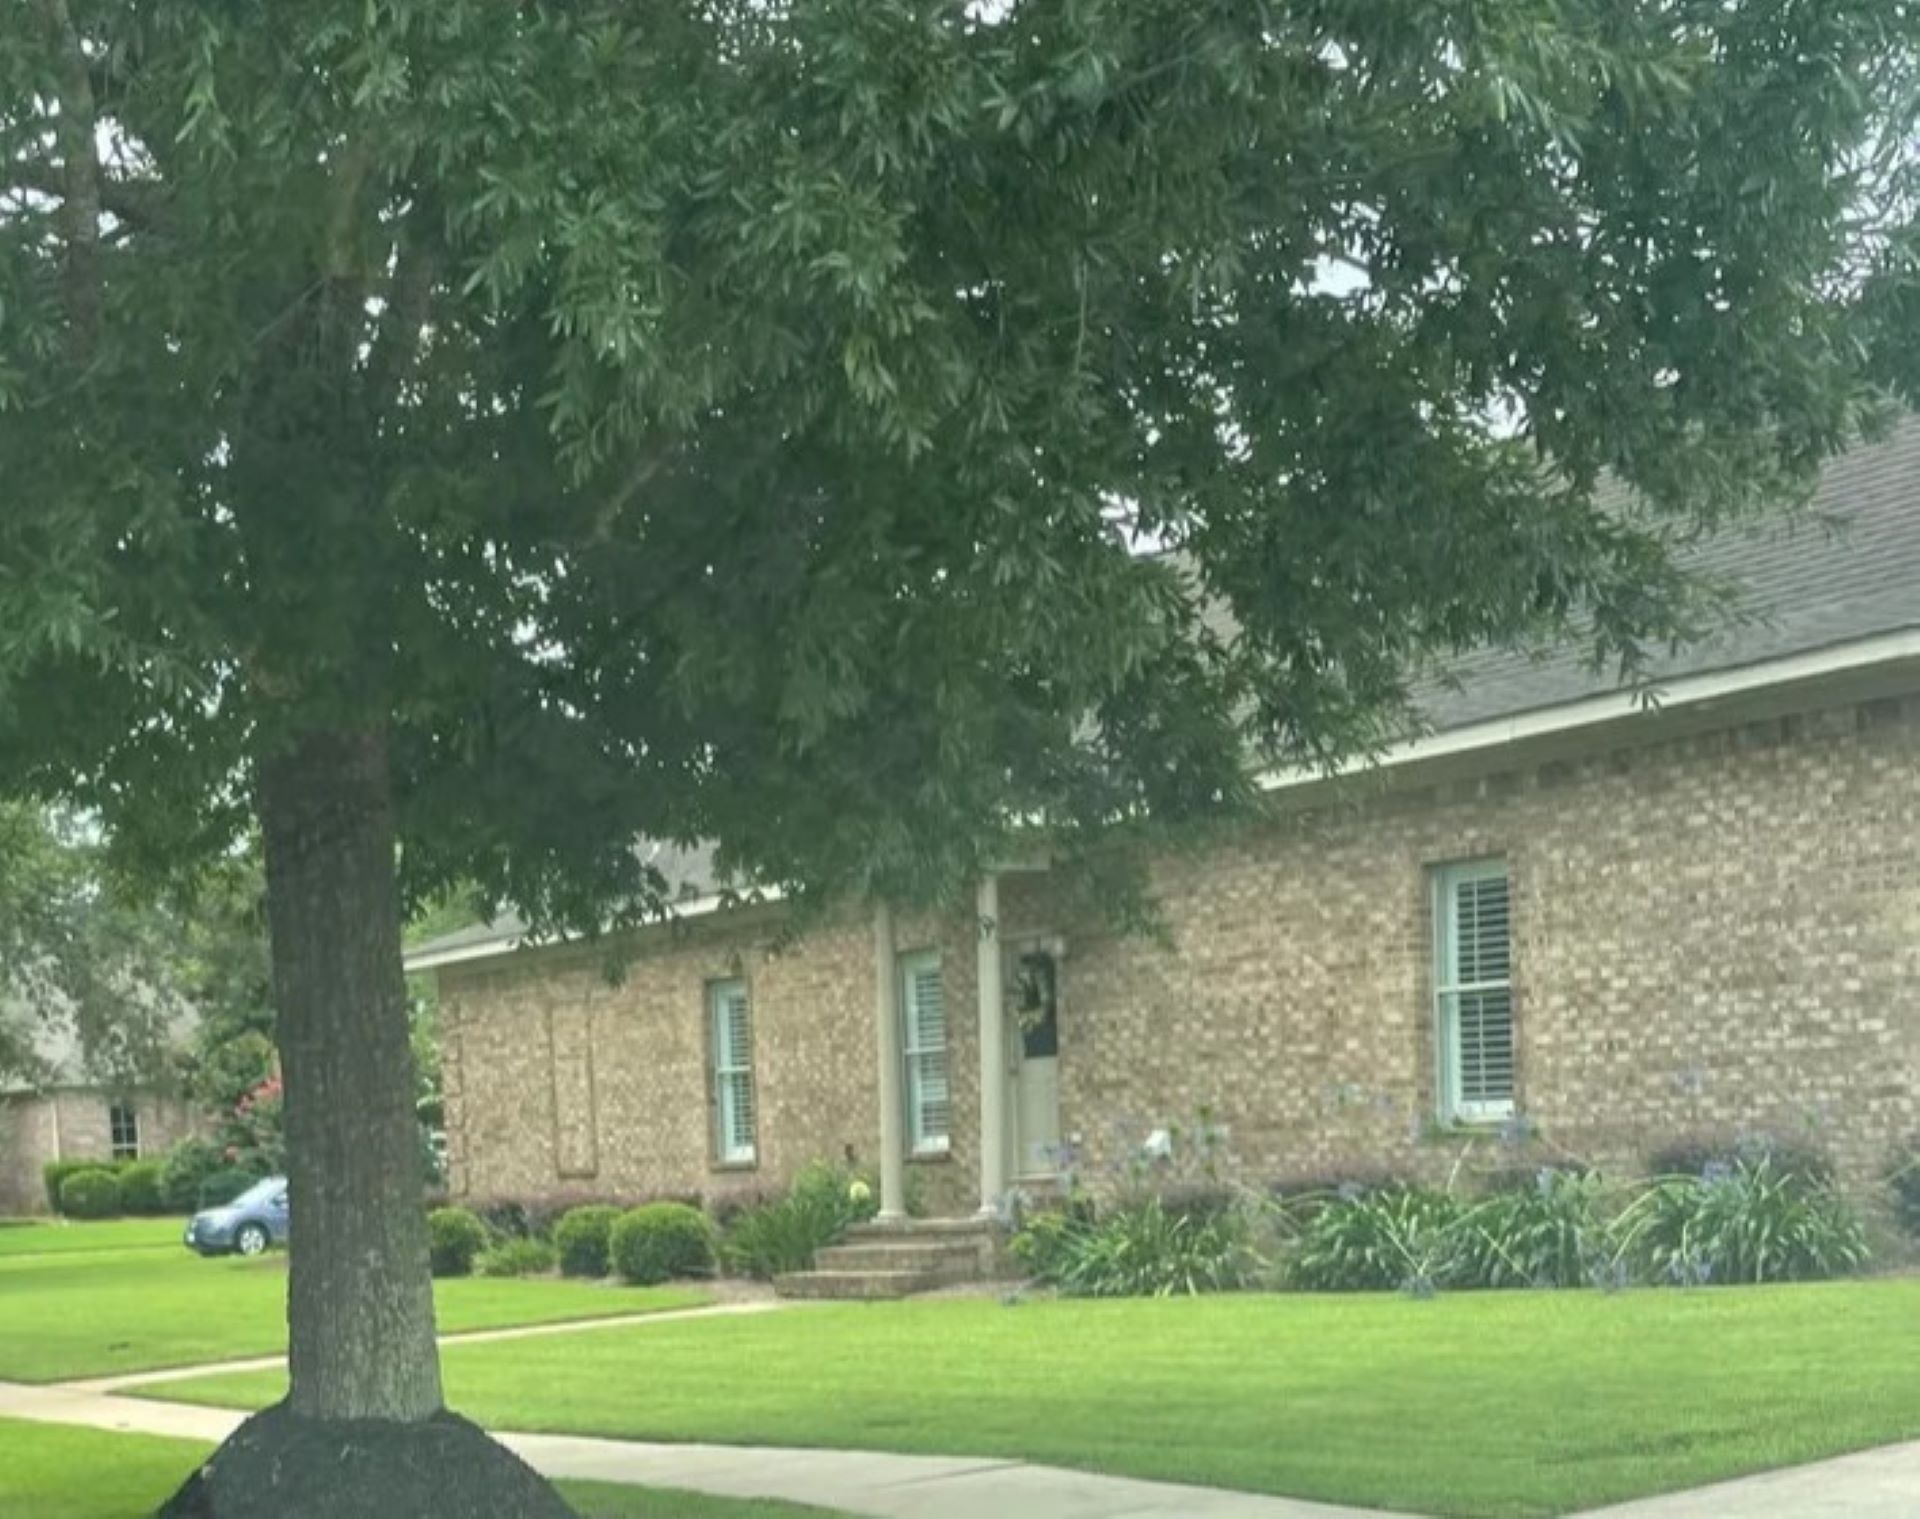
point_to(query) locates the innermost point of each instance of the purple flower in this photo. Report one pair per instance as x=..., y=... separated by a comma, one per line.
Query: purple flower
x=1608, y=1275
x=1350, y=1191
x=1689, y=1270
x=1716, y=1173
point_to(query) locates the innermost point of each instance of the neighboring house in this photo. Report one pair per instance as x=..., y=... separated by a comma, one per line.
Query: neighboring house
x=1564, y=918
x=68, y=1115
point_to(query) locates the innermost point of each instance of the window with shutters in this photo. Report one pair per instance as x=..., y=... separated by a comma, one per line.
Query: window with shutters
x=123, y=1126
x=731, y=1041
x=923, y=1008
x=1473, y=990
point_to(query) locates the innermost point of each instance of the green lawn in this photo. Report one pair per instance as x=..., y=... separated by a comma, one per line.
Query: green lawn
x=85, y=1312
x=91, y=1474
x=33, y=1236
x=1491, y=1403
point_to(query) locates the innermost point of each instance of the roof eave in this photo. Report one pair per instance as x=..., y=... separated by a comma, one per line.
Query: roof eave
x=1855, y=657
x=1852, y=658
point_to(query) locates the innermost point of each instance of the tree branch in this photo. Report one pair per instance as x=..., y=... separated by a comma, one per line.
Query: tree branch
x=135, y=203
x=79, y=210
x=409, y=296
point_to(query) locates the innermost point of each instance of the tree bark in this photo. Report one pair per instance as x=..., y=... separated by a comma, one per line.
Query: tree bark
x=360, y=1301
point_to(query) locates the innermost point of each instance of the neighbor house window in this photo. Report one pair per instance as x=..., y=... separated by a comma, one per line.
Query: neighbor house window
x=123, y=1127
x=923, y=1008
x=1473, y=990
x=731, y=1040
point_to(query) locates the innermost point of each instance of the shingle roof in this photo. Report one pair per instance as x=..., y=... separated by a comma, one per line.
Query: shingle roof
x=689, y=874
x=1806, y=584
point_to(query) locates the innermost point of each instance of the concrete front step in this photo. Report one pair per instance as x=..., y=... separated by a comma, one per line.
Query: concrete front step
x=862, y=1286
x=896, y=1259
x=904, y=1254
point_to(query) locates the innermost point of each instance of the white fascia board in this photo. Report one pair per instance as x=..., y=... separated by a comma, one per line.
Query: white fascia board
x=1857, y=657
x=493, y=949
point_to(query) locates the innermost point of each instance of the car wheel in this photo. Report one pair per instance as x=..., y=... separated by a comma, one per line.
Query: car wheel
x=251, y=1240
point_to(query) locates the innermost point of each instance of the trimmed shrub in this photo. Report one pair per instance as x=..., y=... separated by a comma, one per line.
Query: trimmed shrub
x=1148, y=1247
x=1396, y=1237
x=782, y=1236
x=538, y=1215
x=140, y=1187
x=188, y=1163
x=583, y=1236
x=55, y=1172
x=454, y=1238
x=90, y=1193
x=660, y=1241
x=516, y=1257
x=1745, y=1221
x=218, y=1188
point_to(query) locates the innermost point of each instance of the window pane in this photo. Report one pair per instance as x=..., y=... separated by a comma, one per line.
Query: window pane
x=1483, y=1023
x=931, y=1103
x=736, y=1116
x=732, y=1054
x=923, y=1013
x=123, y=1126
x=927, y=1020
x=1481, y=936
x=1473, y=966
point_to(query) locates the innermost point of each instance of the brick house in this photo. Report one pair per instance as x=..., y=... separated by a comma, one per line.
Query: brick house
x=68, y=1114
x=1621, y=924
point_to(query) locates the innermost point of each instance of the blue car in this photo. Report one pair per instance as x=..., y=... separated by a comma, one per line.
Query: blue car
x=250, y=1223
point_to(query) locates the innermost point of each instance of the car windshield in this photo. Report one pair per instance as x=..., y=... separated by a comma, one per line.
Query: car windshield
x=259, y=1192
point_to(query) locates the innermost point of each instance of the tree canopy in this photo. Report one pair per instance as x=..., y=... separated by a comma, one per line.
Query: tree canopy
x=482, y=435
x=742, y=421
x=91, y=984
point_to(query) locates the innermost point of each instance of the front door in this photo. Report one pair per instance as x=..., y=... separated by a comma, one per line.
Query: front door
x=1036, y=1077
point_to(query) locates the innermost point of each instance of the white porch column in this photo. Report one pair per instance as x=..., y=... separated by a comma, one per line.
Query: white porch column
x=893, y=1113
x=993, y=1049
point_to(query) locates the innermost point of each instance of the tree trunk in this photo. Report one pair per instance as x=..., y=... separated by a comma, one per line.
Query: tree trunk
x=360, y=1303
x=362, y=1431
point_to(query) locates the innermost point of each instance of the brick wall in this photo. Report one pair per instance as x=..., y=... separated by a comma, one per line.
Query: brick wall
x=1712, y=934
x=72, y=1123
x=1715, y=934
x=559, y=1079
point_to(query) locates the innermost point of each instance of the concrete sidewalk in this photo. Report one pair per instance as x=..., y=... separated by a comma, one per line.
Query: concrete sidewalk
x=1873, y=1484
x=855, y=1482
x=126, y=1379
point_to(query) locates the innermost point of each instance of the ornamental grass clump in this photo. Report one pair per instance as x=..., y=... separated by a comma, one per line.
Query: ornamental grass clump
x=1395, y=1237
x=1749, y=1219
x=824, y=1202
x=1549, y=1232
x=1145, y=1247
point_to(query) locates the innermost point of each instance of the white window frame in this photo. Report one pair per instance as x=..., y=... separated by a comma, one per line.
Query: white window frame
x=732, y=1075
x=921, y=1139
x=119, y=1150
x=1447, y=989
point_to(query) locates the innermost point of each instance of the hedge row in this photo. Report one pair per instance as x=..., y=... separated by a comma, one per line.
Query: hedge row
x=645, y=1245
x=113, y=1187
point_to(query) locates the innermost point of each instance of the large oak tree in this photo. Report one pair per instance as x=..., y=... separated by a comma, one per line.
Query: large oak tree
x=466, y=436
